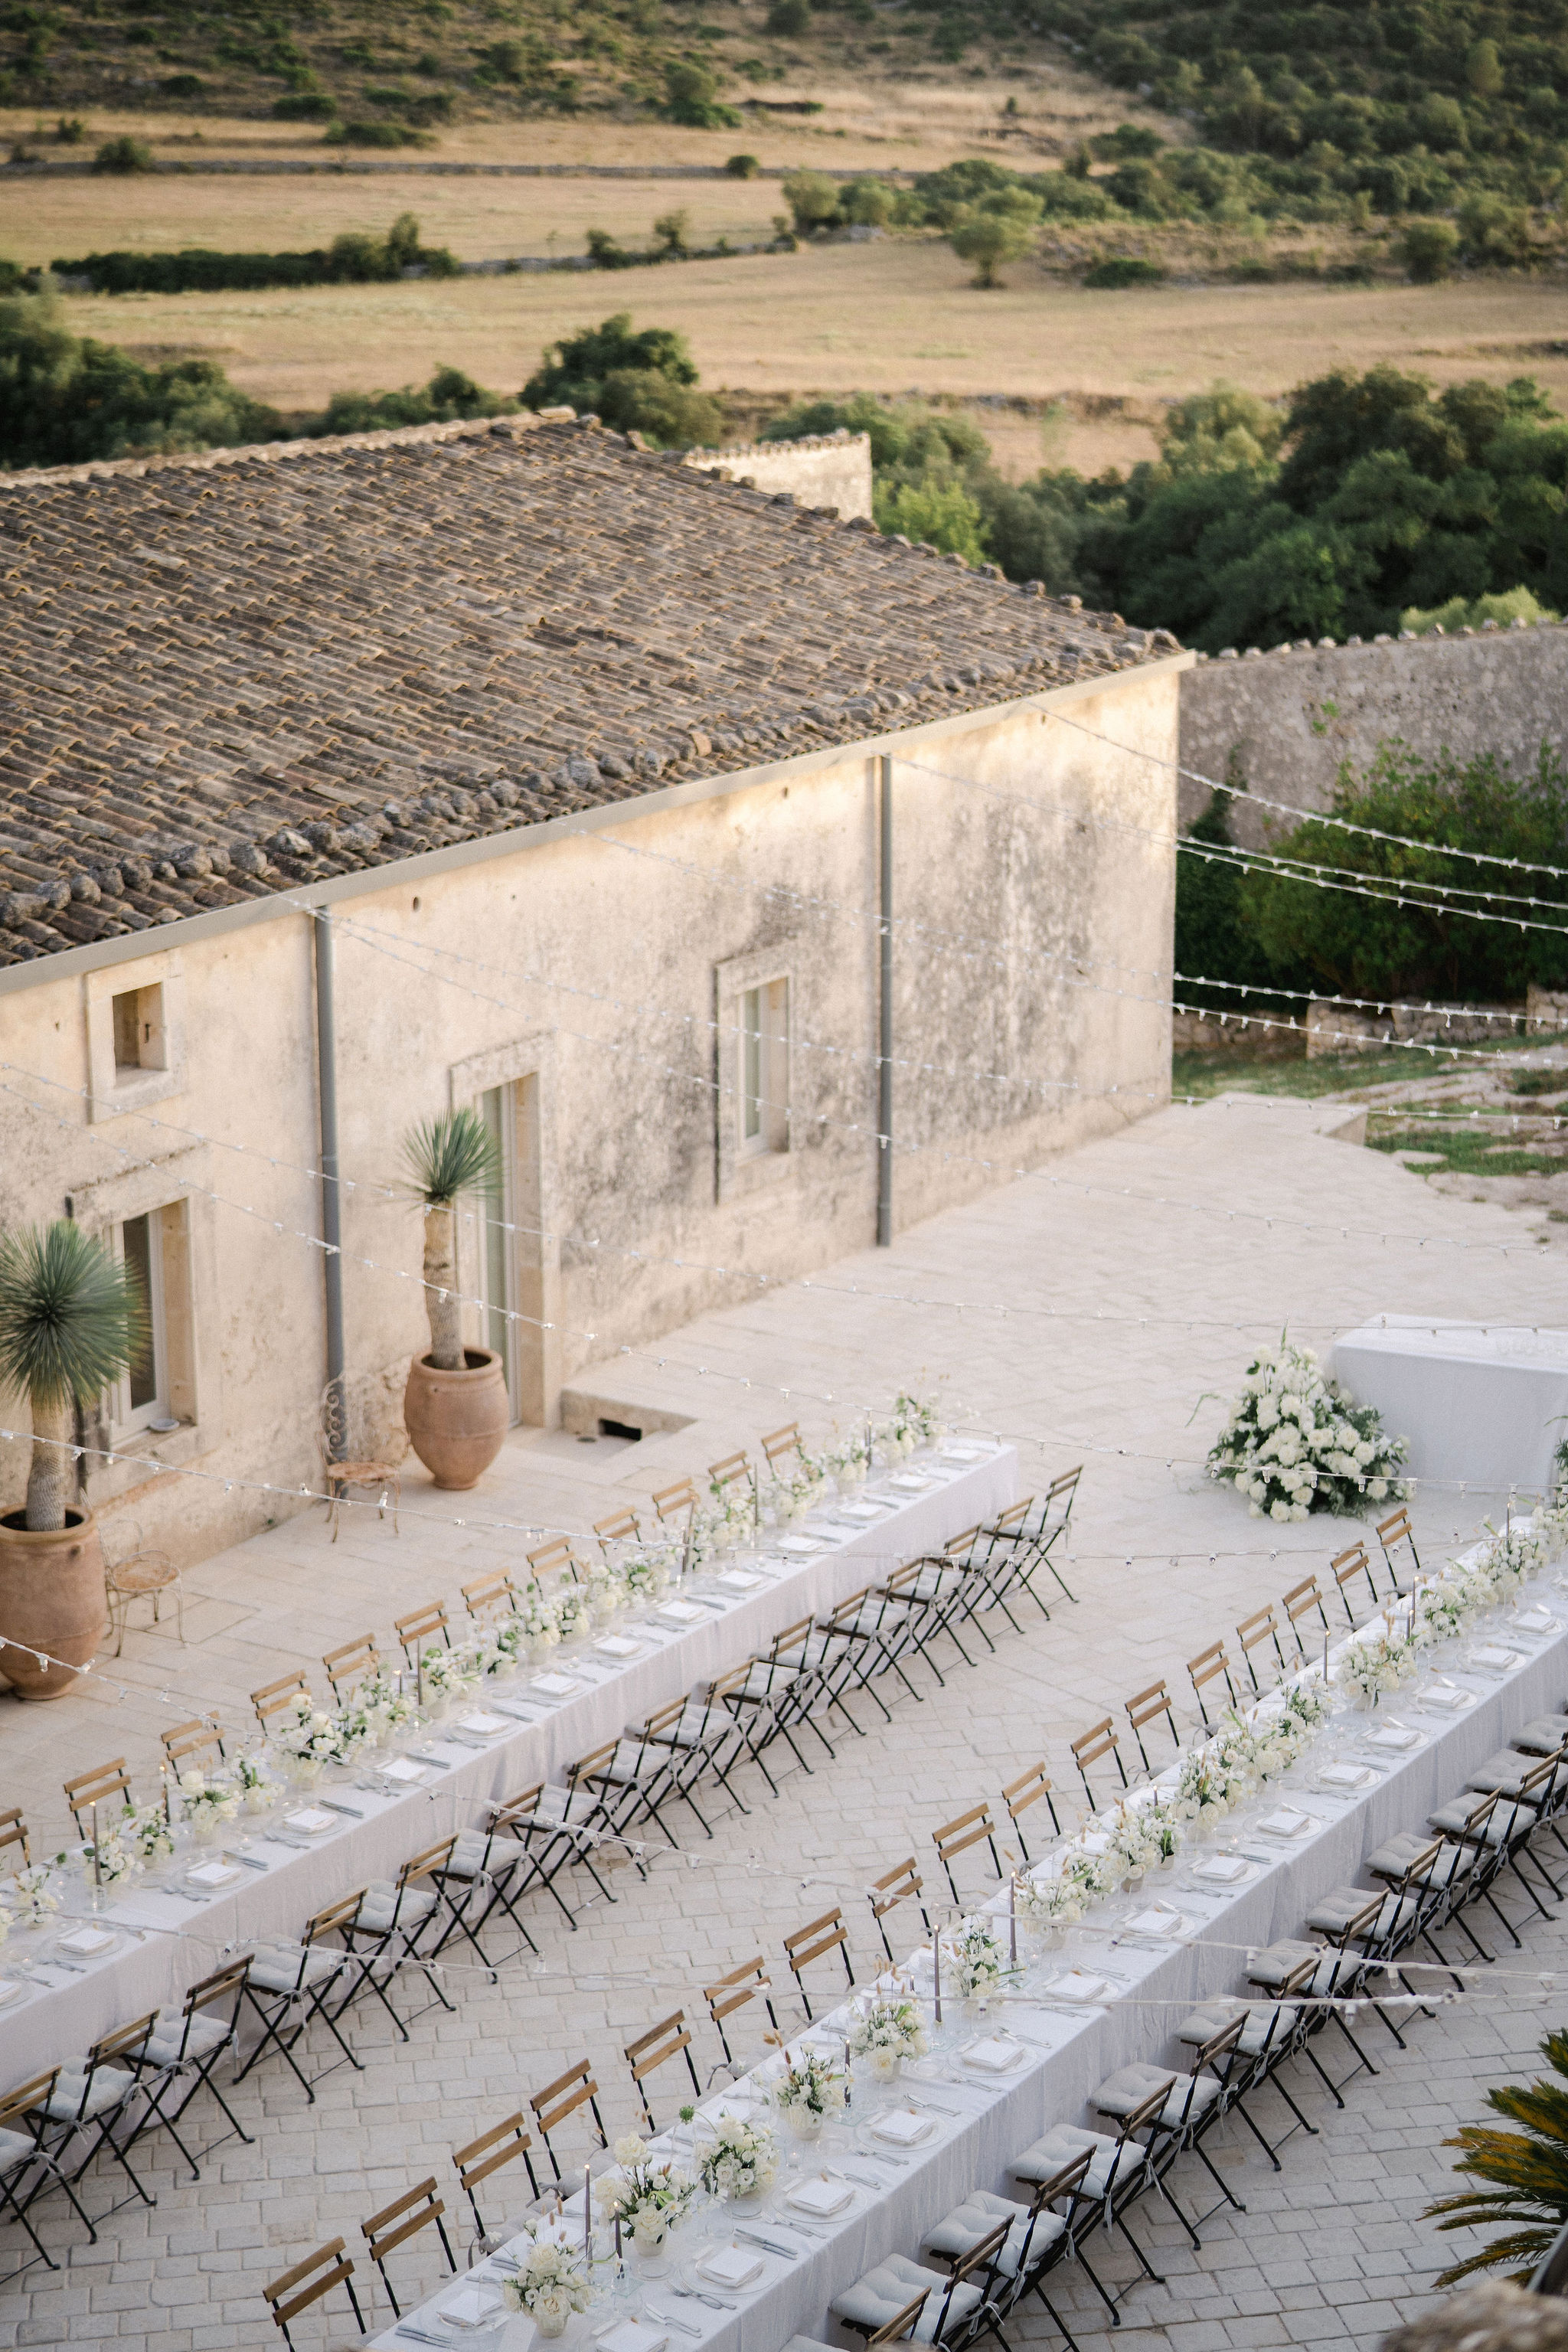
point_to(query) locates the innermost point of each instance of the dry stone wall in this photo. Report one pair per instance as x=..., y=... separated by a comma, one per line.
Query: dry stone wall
x=1288, y=719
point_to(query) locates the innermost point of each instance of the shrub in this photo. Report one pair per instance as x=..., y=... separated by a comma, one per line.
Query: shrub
x=352, y=259
x=377, y=134
x=941, y=514
x=182, y=85
x=869, y=204
x=743, y=167
x=691, y=96
x=669, y=232
x=606, y=252
x=124, y=155
x=1513, y=605
x=1426, y=251
x=1494, y=235
x=671, y=415
x=70, y=131
x=305, y=106
x=812, y=200
x=643, y=383
x=998, y=230
x=1124, y=270
x=789, y=18
x=449, y=396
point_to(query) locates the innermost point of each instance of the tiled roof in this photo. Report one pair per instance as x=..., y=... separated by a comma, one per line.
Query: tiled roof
x=229, y=675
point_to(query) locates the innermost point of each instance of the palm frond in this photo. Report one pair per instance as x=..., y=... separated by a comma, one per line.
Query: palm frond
x=70, y=1316
x=1527, y=2249
x=1530, y=2168
x=452, y=1154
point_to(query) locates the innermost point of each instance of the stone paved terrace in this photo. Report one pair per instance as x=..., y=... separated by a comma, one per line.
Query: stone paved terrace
x=1162, y=1563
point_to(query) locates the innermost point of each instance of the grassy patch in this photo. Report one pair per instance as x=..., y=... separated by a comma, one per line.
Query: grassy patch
x=1202, y=1076
x=1469, y=1151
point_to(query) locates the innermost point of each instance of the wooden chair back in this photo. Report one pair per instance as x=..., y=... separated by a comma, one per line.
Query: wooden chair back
x=1253, y=1633
x=903, y=1883
x=17, y=2104
x=1066, y=1485
x=957, y=1547
x=813, y=1942
x=1300, y=1602
x=566, y=2096
x=670, y=2039
x=188, y=1743
x=14, y=1834
x=422, y=1628
x=749, y=1982
x=734, y=1466
x=484, y=2156
x=670, y=1501
x=1210, y=1665
x=895, y=2330
x=554, y=1558
x=125, y=2041
x=780, y=1441
x=1345, y=1566
x=333, y=1919
x=621, y=1527
x=274, y=1696
x=1092, y=1745
x=490, y=1597
x=974, y=1828
x=96, y=1788
x=1009, y=1521
x=1026, y=1790
x=1145, y=1708
x=417, y=2209
x=295, y=2290
x=347, y=1666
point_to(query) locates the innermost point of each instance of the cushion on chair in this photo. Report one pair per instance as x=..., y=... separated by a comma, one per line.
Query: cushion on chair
x=1393, y=1859
x=1061, y=2145
x=87, y=2095
x=1131, y=2086
x=471, y=1856
x=975, y=2219
x=16, y=2150
x=1544, y=1737
x=1269, y=2026
x=1210, y=2018
x=383, y=1909
x=1333, y=1913
x=1504, y=1771
x=1505, y=1821
x=163, y=2044
x=1276, y=1966
x=884, y=2292
x=275, y=1967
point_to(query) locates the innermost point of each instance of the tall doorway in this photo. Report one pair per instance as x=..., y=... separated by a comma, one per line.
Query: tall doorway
x=510, y=1247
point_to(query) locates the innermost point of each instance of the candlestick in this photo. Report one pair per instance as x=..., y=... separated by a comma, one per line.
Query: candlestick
x=936, y=1970
x=1013, y=1921
x=96, y=1857
x=419, y=1682
x=587, y=2217
x=1325, y=1657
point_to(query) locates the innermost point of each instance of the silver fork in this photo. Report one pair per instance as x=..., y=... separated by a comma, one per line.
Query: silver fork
x=695, y=2295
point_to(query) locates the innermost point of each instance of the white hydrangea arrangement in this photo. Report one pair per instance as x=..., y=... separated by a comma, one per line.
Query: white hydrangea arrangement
x=207, y=1802
x=914, y=1421
x=551, y=2283
x=1061, y=1898
x=538, y=1621
x=807, y=2092
x=885, y=2033
x=307, y=1735
x=1376, y=1663
x=649, y=2198
x=256, y=1790
x=145, y=1830
x=742, y=2159
x=978, y=1961
x=32, y=1892
x=1136, y=1843
x=573, y=1612
x=118, y=1858
x=1296, y=1443
x=385, y=1705
x=647, y=1573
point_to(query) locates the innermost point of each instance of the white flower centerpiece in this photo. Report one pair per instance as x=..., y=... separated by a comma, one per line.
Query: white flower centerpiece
x=648, y=2198
x=806, y=2094
x=306, y=1738
x=207, y=1803
x=256, y=1791
x=1375, y=1665
x=114, y=1857
x=885, y=2033
x=538, y=1622
x=1296, y=1443
x=976, y=1959
x=740, y=2162
x=647, y=1575
x=573, y=1612
x=32, y=1892
x=551, y=2284
x=1136, y=1845
x=443, y=1675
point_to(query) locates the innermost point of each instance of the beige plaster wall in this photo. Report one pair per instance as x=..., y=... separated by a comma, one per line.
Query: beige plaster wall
x=1026, y=940
x=826, y=469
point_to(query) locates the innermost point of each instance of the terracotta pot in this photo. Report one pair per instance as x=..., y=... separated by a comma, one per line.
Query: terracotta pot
x=457, y=1421
x=51, y=1594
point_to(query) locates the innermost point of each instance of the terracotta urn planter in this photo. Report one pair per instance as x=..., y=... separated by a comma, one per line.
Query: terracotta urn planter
x=457, y=1421
x=52, y=1596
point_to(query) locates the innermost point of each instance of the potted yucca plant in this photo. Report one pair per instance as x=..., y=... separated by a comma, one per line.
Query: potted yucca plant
x=70, y=1321
x=455, y=1406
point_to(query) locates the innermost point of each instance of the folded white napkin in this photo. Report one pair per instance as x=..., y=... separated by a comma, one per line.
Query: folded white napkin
x=739, y=1580
x=908, y=1482
x=1287, y=1823
x=404, y=1768
x=996, y=2057
x=1345, y=1776
x=729, y=2267
x=800, y=1543
x=820, y=2197
x=556, y=1686
x=1394, y=1735
x=617, y=1645
x=469, y=2306
x=1537, y=1620
x=1454, y=1700
x=212, y=1874
x=631, y=2336
x=1225, y=1869
x=965, y=1452
x=681, y=1612
x=1492, y=1656
x=88, y=1940
x=481, y=1722
x=1078, y=1986
x=1158, y=1922
x=900, y=2128
x=310, y=1820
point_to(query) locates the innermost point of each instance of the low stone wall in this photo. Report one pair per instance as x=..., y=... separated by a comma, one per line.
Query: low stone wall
x=1335, y=1028
x=1286, y=721
x=1231, y=1033
x=825, y=470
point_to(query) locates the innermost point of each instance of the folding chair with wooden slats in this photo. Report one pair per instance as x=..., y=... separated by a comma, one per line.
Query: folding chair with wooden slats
x=181, y=2058
x=971, y=1829
x=490, y=1598
x=284, y=2304
x=935, y=1595
x=388, y=1931
x=108, y=1784
x=347, y=1666
x=1300, y=1602
x=863, y=1638
x=963, y=1563
x=273, y=1697
x=559, y=1828
x=423, y=1629
x=781, y=1691
x=1055, y=1523
x=415, y=2210
x=566, y=2096
x=736, y=1991
x=671, y=1502
x=813, y=1942
x=14, y=1834
x=668, y=2040
x=1253, y=1633
x=27, y=2169
x=484, y=2156
x=1392, y=1532
x=621, y=1527
x=902, y=1884
x=1344, y=1567
x=708, y=1737
x=97, y=2095
x=1027, y=1789
x=290, y=1985
x=199, y=1742
x=1210, y=1665
x=630, y=1778
x=554, y=1559
x=780, y=1441
x=1145, y=1708
x=1090, y=1747
x=1015, y=1552
x=734, y=1468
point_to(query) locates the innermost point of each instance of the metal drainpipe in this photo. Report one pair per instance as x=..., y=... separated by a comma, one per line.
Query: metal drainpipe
x=884, y=1046
x=331, y=1206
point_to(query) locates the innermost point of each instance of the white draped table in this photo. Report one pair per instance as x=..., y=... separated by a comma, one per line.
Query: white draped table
x=1481, y=1406
x=1079, y=2048
x=165, y=1943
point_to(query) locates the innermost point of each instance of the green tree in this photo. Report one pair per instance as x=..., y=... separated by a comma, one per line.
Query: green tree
x=1212, y=943
x=1427, y=249
x=1483, y=69
x=998, y=230
x=812, y=200
x=669, y=232
x=692, y=95
x=789, y=18
x=574, y=369
x=941, y=514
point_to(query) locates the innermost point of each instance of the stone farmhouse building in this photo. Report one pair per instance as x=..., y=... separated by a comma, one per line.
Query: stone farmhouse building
x=513, y=765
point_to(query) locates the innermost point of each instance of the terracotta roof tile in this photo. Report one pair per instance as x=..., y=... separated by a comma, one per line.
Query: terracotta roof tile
x=227, y=675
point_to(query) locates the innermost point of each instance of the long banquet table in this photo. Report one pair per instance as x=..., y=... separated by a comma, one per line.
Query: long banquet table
x=1079, y=2047
x=165, y=1942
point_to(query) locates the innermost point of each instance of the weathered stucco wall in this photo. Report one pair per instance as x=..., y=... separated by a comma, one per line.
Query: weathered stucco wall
x=827, y=469
x=600, y=967
x=1288, y=720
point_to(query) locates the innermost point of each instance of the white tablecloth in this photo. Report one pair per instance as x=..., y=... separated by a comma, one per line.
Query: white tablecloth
x=1484, y=1407
x=1079, y=2050
x=166, y=1944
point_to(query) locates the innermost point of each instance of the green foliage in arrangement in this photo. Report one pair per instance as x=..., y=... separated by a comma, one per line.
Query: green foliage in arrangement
x=351, y=259
x=1528, y=2169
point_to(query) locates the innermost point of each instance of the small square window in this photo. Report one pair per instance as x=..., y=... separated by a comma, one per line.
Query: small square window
x=140, y=1037
x=763, y=1092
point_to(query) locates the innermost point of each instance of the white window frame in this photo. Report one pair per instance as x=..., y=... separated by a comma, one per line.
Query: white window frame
x=748, y=1162
x=762, y=1088
x=126, y=1417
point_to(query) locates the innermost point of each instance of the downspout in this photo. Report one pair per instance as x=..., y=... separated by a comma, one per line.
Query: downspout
x=885, y=1046
x=331, y=1206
